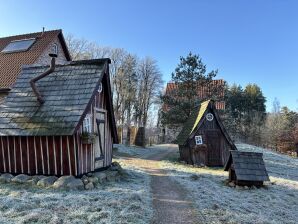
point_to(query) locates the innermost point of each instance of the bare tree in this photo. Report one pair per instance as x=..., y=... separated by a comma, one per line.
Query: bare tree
x=150, y=84
x=136, y=84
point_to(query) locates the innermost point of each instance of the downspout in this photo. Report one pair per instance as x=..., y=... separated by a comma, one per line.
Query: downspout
x=47, y=72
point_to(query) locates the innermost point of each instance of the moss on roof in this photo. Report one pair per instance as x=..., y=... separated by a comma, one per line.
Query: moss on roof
x=192, y=122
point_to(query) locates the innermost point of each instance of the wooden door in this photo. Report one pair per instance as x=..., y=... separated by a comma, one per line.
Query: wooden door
x=214, y=150
x=100, y=140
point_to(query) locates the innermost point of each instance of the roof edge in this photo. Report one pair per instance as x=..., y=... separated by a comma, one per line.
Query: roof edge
x=40, y=32
x=98, y=61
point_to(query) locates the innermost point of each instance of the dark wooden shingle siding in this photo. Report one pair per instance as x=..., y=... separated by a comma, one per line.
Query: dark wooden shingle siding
x=249, y=166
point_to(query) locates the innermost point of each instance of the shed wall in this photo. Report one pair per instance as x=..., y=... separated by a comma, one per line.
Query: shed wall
x=46, y=155
x=86, y=152
x=194, y=152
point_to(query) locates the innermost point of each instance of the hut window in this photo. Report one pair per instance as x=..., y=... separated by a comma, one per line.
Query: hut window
x=100, y=88
x=199, y=140
x=87, y=124
x=209, y=117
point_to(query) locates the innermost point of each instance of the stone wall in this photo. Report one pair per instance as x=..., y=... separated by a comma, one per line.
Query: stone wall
x=44, y=58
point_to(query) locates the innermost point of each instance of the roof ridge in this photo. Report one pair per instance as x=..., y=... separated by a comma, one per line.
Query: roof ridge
x=57, y=30
x=79, y=62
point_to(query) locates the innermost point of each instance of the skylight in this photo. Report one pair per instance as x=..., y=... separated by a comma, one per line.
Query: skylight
x=18, y=45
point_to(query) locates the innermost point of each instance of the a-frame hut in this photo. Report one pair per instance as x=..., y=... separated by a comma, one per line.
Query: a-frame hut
x=203, y=140
x=58, y=120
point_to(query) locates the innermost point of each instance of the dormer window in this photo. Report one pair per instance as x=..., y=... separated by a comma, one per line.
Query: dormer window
x=18, y=45
x=55, y=49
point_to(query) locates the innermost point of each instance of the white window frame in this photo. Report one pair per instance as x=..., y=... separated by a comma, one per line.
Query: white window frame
x=209, y=117
x=198, y=139
x=87, y=124
x=55, y=48
x=100, y=88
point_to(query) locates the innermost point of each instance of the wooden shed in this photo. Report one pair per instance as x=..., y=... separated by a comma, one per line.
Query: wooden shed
x=203, y=140
x=58, y=120
x=246, y=168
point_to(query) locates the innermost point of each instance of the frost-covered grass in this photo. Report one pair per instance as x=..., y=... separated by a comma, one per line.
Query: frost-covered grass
x=135, y=151
x=278, y=165
x=127, y=201
x=219, y=203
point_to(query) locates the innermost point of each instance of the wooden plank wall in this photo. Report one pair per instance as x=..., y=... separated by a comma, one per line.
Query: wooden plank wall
x=42, y=155
x=209, y=126
x=86, y=152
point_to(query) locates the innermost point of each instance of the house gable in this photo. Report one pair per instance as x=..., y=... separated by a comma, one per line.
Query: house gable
x=11, y=63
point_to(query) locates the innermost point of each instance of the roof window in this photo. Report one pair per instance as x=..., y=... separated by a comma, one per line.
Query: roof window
x=18, y=45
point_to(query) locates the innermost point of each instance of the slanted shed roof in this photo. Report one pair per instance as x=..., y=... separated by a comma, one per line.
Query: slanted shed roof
x=67, y=92
x=248, y=166
x=11, y=63
x=196, y=120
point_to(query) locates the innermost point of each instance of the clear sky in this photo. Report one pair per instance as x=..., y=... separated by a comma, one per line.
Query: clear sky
x=249, y=41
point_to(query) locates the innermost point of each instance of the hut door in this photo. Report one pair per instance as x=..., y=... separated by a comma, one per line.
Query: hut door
x=100, y=140
x=214, y=151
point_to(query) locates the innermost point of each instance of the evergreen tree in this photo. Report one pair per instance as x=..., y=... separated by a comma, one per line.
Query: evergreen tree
x=189, y=77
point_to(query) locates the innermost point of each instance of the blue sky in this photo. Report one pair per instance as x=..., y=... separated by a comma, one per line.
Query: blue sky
x=249, y=41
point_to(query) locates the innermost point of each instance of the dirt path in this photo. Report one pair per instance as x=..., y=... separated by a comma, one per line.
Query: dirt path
x=171, y=202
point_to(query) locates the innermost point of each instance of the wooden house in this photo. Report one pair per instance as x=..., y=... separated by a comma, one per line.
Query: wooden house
x=27, y=49
x=203, y=140
x=58, y=120
x=169, y=133
x=246, y=168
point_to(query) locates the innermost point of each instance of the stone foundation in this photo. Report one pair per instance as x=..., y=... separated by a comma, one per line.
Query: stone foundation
x=87, y=182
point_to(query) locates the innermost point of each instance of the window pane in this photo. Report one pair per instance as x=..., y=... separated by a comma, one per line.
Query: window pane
x=19, y=45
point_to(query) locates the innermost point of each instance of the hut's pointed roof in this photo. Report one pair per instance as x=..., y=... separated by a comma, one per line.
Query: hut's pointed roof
x=248, y=166
x=196, y=119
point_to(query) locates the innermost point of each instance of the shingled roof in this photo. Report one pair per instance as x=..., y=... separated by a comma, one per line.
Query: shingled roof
x=195, y=121
x=202, y=91
x=248, y=166
x=67, y=93
x=11, y=63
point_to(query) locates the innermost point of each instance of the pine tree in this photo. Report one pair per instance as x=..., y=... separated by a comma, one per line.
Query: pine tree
x=189, y=76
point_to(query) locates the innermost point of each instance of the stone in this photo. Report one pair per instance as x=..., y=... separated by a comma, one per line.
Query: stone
x=115, y=166
x=89, y=174
x=101, y=176
x=112, y=176
x=239, y=187
x=37, y=177
x=89, y=186
x=6, y=178
x=69, y=182
x=93, y=180
x=246, y=187
x=47, y=181
x=85, y=179
x=21, y=178
x=32, y=181
x=232, y=184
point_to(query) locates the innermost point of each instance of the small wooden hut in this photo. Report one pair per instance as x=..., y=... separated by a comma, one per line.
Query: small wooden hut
x=203, y=140
x=246, y=168
x=58, y=120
